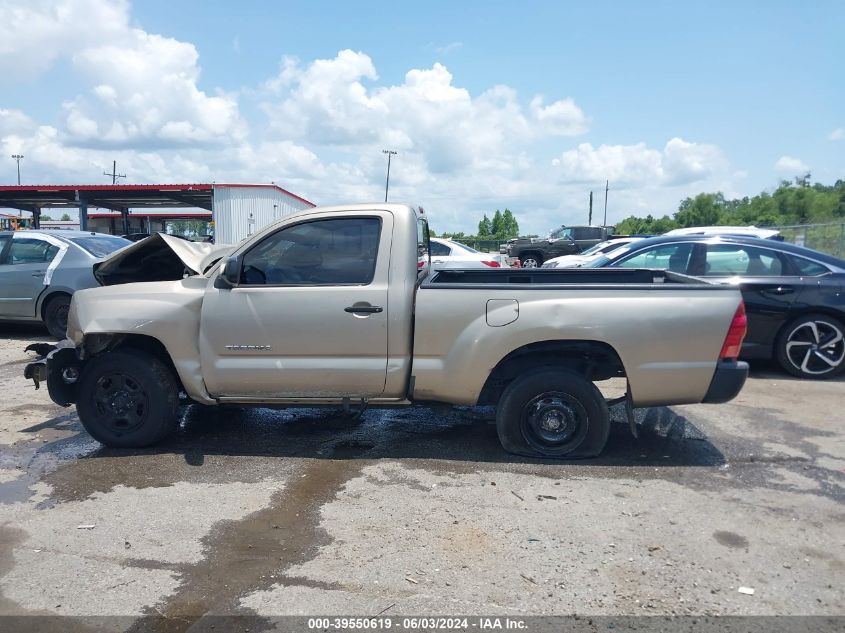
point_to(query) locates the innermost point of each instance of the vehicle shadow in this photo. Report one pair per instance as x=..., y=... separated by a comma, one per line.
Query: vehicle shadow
x=29, y=332
x=463, y=435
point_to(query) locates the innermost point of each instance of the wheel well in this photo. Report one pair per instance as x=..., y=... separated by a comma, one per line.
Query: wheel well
x=99, y=343
x=51, y=297
x=536, y=254
x=592, y=359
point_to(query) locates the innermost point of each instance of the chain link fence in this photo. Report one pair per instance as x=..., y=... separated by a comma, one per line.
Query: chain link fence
x=826, y=238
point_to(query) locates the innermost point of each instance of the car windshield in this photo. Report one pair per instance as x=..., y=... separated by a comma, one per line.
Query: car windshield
x=100, y=245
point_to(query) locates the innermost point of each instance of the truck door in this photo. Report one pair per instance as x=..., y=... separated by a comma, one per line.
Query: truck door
x=308, y=318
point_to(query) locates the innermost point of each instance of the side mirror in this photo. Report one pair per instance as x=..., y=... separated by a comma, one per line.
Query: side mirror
x=230, y=276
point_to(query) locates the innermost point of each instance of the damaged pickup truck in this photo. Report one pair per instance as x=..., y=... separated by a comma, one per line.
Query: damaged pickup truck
x=337, y=306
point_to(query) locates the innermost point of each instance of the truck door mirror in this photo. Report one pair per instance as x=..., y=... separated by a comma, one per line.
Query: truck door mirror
x=231, y=273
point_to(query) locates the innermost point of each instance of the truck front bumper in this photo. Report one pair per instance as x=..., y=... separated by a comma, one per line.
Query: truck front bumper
x=60, y=369
x=727, y=381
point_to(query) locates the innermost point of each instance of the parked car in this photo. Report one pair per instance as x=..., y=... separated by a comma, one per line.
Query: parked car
x=40, y=271
x=794, y=296
x=363, y=325
x=564, y=240
x=746, y=231
x=602, y=248
x=449, y=254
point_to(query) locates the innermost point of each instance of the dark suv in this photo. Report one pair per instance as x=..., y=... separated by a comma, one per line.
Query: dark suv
x=565, y=240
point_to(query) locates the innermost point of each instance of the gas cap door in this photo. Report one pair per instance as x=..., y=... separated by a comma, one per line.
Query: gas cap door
x=502, y=312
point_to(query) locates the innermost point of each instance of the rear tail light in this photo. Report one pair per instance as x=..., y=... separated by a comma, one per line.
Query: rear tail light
x=736, y=333
x=491, y=264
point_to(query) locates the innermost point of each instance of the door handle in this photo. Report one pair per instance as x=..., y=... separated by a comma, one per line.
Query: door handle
x=364, y=309
x=780, y=290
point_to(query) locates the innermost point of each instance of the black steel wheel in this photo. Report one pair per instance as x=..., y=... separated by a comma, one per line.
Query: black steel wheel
x=55, y=316
x=127, y=399
x=552, y=413
x=813, y=346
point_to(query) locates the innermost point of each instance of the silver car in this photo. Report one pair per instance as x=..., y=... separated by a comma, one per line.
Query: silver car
x=40, y=270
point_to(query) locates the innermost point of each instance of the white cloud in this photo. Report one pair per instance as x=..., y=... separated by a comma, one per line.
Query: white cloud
x=144, y=86
x=13, y=122
x=837, y=135
x=791, y=166
x=680, y=162
x=448, y=48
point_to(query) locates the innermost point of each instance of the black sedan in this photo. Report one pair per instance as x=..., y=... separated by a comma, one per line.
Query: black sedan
x=794, y=296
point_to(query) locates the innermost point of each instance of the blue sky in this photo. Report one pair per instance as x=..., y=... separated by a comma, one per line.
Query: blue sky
x=527, y=105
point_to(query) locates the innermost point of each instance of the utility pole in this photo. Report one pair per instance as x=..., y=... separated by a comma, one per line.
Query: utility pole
x=18, y=158
x=606, y=187
x=114, y=175
x=390, y=153
x=590, y=217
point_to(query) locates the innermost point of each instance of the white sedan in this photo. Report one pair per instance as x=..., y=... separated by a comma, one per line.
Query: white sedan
x=449, y=254
x=603, y=248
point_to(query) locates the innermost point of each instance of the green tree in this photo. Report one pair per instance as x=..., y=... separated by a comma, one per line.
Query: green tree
x=485, y=227
x=65, y=217
x=497, y=228
x=510, y=227
x=46, y=218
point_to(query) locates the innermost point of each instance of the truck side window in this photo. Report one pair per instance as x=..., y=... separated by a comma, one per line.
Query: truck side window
x=340, y=251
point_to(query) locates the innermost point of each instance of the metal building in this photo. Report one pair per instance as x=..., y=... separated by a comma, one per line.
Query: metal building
x=237, y=210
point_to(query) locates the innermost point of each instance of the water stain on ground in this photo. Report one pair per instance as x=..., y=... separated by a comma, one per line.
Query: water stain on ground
x=730, y=539
x=251, y=554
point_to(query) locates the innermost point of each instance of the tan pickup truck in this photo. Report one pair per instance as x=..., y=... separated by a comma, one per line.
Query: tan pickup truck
x=337, y=306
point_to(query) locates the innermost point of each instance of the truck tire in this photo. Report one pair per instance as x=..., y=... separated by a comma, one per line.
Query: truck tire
x=55, y=315
x=552, y=413
x=812, y=346
x=127, y=399
x=531, y=260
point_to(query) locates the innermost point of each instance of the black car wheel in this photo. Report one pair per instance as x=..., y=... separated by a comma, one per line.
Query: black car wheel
x=127, y=399
x=55, y=316
x=813, y=346
x=552, y=413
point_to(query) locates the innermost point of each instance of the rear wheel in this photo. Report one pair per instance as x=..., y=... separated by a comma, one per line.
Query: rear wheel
x=812, y=346
x=552, y=413
x=127, y=399
x=55, y=316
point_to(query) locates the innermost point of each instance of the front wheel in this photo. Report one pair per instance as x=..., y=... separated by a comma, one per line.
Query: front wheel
x=812, y=346
x=127, y=399
x=552, y=413
x=531, y=261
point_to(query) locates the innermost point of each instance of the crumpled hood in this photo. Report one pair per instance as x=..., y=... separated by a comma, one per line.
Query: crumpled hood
x=159, y=257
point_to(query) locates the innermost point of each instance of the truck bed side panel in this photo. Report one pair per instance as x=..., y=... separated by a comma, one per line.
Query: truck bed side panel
x=668, y=337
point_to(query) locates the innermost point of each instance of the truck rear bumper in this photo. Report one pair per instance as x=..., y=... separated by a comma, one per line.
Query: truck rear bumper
x=727, y=382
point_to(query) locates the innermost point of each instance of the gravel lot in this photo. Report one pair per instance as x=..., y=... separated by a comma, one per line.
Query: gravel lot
x=267, y=513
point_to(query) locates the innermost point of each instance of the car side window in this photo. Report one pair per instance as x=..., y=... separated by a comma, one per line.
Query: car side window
x=340, y=251
x=729, y=260
x=674, y=257
x=4, y=239
x=806, y=267
x=440, y=250
x=29, y=250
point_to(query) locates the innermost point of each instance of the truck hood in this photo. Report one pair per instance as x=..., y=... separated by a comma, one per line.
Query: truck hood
x=159, y=257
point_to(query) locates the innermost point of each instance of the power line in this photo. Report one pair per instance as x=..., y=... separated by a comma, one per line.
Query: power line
x=390, y=153
x=114, y=175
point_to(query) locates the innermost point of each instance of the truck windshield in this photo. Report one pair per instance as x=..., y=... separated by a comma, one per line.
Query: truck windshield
x=561, y=233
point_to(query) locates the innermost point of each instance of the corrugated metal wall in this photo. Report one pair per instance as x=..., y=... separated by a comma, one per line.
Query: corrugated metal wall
x=242, y=211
